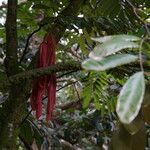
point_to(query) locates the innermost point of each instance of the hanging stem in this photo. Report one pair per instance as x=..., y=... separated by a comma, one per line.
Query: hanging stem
x=140, y=55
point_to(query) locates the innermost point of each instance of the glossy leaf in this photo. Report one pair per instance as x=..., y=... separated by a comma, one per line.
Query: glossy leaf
x=131, y=98
x=113, y=44
x=122, y=37
x=108, y=62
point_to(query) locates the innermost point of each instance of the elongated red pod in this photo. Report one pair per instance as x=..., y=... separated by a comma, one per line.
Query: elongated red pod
x=33, y=95
x=39, y=83
x=51, y=96
x=41, y=80
x=46, y=58
x=51, y=87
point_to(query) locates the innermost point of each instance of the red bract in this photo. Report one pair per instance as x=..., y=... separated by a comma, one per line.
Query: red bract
x=46, y=58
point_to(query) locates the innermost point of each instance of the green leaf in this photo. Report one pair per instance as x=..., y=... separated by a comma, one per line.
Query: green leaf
x=26, y=132
x=109, y=8
x=87, y=92
x=131, y=98
x=108, y=62
x=112, y=44
x=122, y=37
x=97, y=104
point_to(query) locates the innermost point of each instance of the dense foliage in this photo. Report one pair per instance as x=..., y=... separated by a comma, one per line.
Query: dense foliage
x=102, y=69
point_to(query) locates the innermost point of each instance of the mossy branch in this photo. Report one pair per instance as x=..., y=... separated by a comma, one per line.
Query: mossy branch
x=59, y=67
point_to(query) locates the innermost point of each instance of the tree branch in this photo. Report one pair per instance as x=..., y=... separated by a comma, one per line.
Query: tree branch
x=27, y=43
x=74, y=104
x=58, y=26
x=68, y=66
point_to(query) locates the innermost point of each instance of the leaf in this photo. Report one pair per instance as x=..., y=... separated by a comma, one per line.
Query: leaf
x=87, y=92
x=131, y=98
x=109, y=8
x=97, y=103
x=122, y=37
x=26, y=133
x=82, y=45
x=113, y=44
x=108, y=62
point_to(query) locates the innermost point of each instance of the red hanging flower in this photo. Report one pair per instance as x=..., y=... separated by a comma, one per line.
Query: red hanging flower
x=46, y=57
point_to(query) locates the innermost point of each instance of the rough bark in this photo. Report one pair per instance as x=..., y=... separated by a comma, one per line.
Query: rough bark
x=11, y=38
x=59, y=67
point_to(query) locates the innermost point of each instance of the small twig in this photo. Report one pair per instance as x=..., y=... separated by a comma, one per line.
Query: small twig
x=73, y=54
x=140, y=55
x=66, y=85
x=26, y=117
x=74, y=104
x=135, y=11
x=61, y=88
x=63, y=80
x=28, y=40
x=138, y=17
x=97, y=3
x=26, y=144
x=77, y=92
x=147, y=29
x=68, y=145
x=60, y=76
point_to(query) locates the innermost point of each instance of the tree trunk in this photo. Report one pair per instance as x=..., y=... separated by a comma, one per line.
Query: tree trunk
x=11, y=116
x=8, y=119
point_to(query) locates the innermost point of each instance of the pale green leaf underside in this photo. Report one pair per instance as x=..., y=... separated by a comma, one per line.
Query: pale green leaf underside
x=113, y=44
x=108, y=62
x=130, y=98
x=122, y=37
